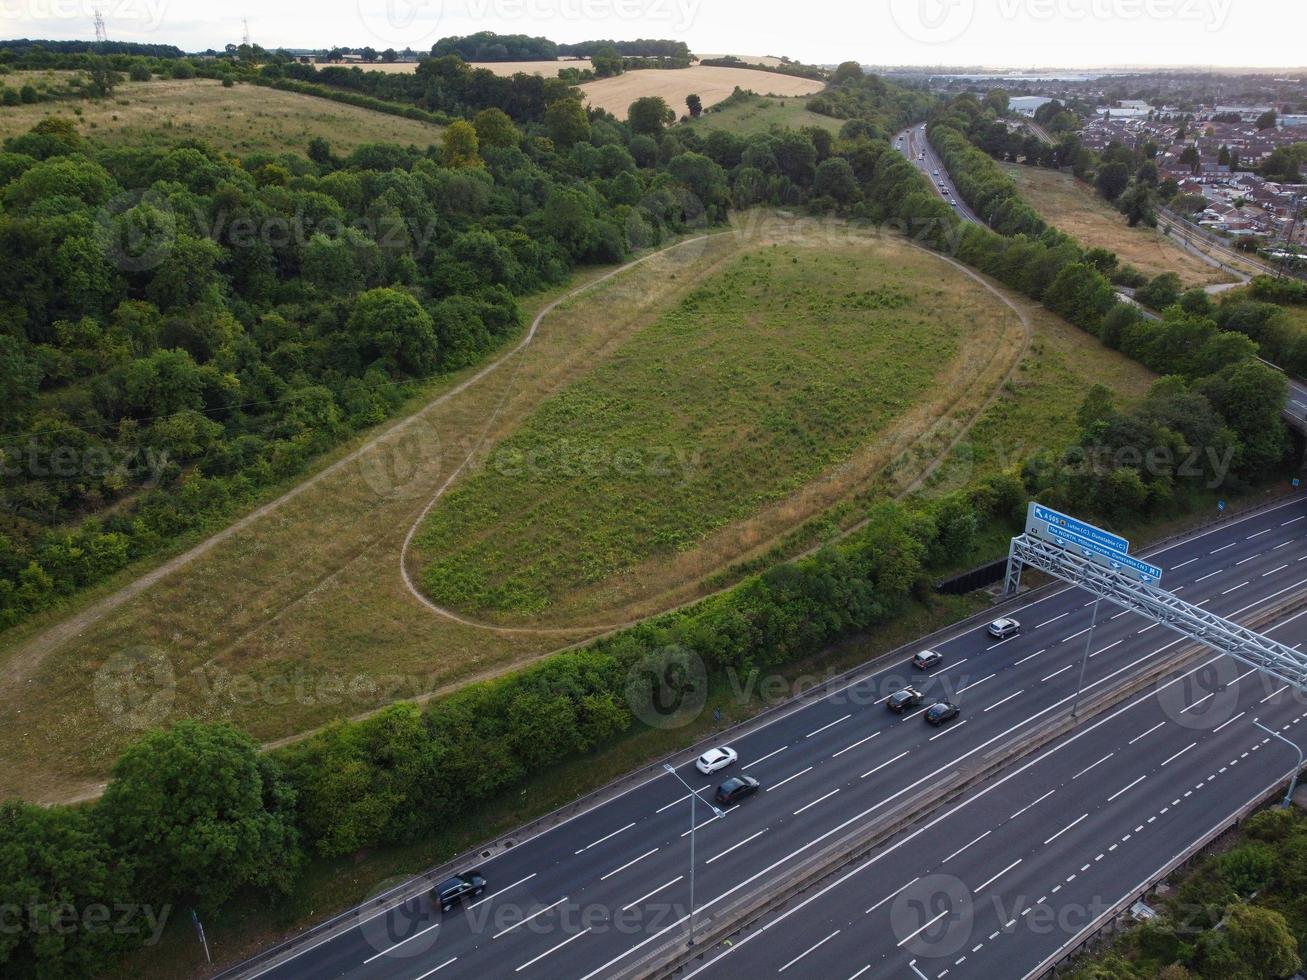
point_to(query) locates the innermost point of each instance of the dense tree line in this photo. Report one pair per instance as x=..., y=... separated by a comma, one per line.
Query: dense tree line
x=489, y=46
x=34, y=52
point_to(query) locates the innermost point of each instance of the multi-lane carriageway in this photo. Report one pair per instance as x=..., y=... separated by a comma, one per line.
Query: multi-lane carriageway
x=1086, y=820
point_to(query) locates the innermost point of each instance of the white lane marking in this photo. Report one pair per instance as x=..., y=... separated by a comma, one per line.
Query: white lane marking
x=504, y=889
x=832, y=724
x=558, y=947
x=1123, y=612
x=1065, y=829
x=1032, y=803
x=965, y=846
x=1292, y=520
x=1150, y=626
x=630, y=905
x=1000, y=874
x=1006, y=699
x=883, y=765
x=1258, y=534
x=737, y=844
x=1239, y=586
x=1124, y=788
x=809, y=950
x=1081, y=633
x=388, y=950
x=1273, y=694
x=787, y=779
x=439, y=968
x=765, y=757
x=679, y=799
x=1062, y=670
x=815, y=802
x=1222, y=548
x=1230, y=722
x=1053, y=620
x=1207, y=576
x=1180, y=753
x=1087, y=768
x=951, y=728
x=1031, y=657
x=1183, y=563
x=956, y=663
x=1274, y=570
x=627, y=864
x=893, y=894
x=855, y=744
x=1106, y=648
x=977, y=683
x=607, y=837
x=914, y=933
x=1244, y=561
x=1284, y=544
x=530, y=917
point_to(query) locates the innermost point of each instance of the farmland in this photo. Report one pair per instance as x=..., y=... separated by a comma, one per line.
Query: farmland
x=711, y=84
x=240, y=119
x=762, y=114
x=1077, y=210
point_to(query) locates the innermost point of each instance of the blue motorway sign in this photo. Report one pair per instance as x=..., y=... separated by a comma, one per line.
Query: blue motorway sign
x=1058, y=521
x=1144, y=572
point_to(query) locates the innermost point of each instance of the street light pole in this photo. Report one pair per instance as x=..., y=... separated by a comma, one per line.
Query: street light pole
x=1084, y=659
x=1293, y=783
x=694, y=820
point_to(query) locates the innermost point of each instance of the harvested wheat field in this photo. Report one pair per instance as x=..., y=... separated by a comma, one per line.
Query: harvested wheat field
x=549, y=69
x=674, y=84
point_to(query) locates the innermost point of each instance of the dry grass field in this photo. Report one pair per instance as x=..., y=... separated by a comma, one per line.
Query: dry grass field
x=765, y=60
x=549, y=69
x=242, y=119
x=301, y=615
x=762, y=115
x=1077, y=210
x=710, y=84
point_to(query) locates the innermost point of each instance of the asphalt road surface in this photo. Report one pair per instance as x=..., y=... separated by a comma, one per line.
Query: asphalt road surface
x=587, y=897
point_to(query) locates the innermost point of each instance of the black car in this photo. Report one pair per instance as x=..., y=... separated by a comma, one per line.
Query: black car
x=736, y=788
x=939, y=713
x=901, y=701
x=453, y=890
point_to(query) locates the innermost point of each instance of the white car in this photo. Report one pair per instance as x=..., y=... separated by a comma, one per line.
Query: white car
x=715, y=759
x=1001, y=629
x=927, y=659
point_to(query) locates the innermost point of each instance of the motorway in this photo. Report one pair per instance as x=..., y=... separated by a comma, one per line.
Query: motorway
x=586, y=898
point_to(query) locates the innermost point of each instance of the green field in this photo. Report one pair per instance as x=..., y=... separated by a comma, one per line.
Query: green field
x=761, y=114
x=763, y=377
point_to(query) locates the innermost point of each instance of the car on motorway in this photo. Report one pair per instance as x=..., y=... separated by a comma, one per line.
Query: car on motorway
x=714, y=759
x=735, y=789
x=925, y=659
x=1003, y=627
x=941, y=712
x=952, y=203
x=901, y=701
x=935, y=172
x=452, y=891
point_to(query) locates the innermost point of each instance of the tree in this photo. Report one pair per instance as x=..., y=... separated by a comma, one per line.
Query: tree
x=1267, y=120
x=1281, y=165
x=102, y=76
x=390, y=326
x=495, y=128
x=846, y=71
x=1262, y=941
x=1191, y=158
x=650, y=115
x=606, y=62
x=567, y=122
x=459, y=148
x=835, y=179
x=1112, y=179
x=695, y=105
x=1137, y=204
x=200, y=812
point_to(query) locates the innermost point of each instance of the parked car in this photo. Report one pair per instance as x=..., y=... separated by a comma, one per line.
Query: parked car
x=714, y=759
x=941, y=712
x=1001, y=629
x=901, y=701
x=452, y=891
x=735, y=789
x=925, y=659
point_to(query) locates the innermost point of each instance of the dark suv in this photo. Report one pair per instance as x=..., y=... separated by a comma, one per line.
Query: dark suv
x=901, y=701
x=453, y=890
x=736, y=788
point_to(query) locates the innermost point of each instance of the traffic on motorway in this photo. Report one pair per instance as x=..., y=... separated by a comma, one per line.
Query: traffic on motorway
x=590, y=896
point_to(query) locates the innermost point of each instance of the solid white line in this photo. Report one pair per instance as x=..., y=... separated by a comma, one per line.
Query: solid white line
x=548, y=951
x=965, y=846
x=1006, y=699
x=1087, y=768
x=440, y=967
x=807, y=951
x=630, y=905
x=883, y=765
x=734, y=846
x=856, y=744
x=815, y=802
x=1124, y=788
x=606, y=837
x=1180, y=753
x=530, y=917
x=831, y=725
x=627, y=865
x=765, y=757
x=385, y=952
x=1053, y=620
x=1065, y=829
x=1061, y=670
x=504, y=889
x=1000, y=874
x=787, y=779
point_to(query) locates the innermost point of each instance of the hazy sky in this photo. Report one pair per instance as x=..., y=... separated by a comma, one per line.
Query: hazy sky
x=1008, y=33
